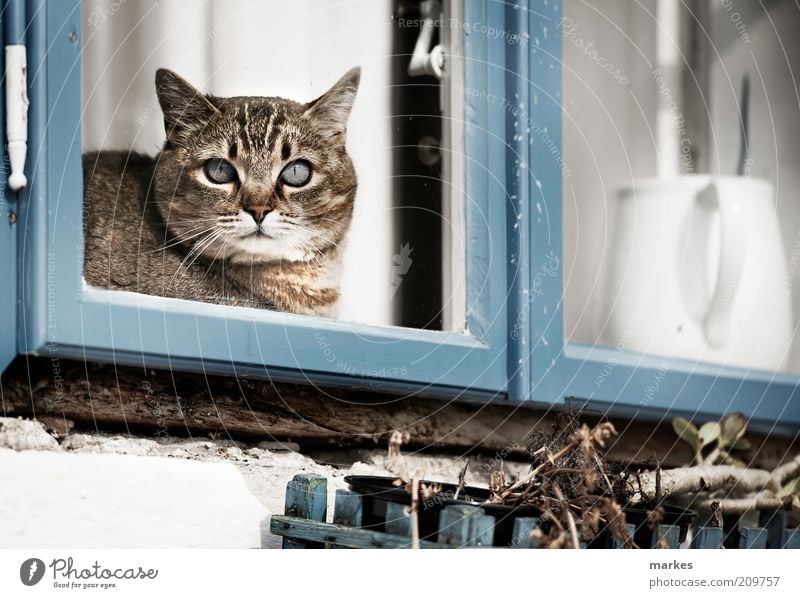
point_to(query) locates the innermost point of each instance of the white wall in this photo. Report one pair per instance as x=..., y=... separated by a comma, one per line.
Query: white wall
x=293, y=49
x=609, y=128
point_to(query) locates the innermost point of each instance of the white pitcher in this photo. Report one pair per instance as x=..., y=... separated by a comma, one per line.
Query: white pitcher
x=697, y=270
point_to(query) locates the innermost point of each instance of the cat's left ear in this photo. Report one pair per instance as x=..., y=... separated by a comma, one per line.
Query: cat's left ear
x=330, y=112
x=186, y=109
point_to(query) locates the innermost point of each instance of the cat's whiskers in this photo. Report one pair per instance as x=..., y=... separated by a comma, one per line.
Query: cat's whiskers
x=211, y=265
x=179, y=239
x=196, y=251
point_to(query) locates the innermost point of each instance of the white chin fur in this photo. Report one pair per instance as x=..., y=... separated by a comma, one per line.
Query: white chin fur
x=266, y=249
x=276, y=245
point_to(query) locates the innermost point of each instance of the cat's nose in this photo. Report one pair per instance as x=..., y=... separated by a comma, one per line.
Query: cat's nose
x=259, y=212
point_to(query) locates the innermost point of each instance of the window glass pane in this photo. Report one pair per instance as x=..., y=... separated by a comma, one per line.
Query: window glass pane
x=679, y=242
x=397, y=256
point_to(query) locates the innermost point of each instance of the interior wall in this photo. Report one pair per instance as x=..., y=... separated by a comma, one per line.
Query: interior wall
x=292, y=49
x=610, y=126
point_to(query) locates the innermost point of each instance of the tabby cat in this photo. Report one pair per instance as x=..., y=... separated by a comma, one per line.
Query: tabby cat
x=247, y=204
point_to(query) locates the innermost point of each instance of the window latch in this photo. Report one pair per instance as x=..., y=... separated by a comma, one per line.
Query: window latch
x=426, y=60
x=16, y=79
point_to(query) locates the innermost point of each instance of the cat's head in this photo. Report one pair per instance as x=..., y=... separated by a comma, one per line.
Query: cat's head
x=255, y=179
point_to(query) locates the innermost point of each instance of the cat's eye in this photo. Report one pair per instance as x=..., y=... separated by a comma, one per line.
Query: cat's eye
x=220, y=171
x=296, y=174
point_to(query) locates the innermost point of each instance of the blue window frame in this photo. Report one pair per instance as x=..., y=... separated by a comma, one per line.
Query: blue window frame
x=515, y=346
x=607, y=378
x=59, y=316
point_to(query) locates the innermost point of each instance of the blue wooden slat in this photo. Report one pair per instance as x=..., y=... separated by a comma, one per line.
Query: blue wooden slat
x=306, y=498
x=707, y=537
x=398, y=519
x=753, y=537
x=315, y=532
x=349, y=508
x=463, y=526
x=616, y=543
x=670, y=533
x=521, y=534
x=791, y=538
x=774, y=522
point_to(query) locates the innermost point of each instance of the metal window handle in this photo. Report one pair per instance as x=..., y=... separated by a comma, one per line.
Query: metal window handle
x=17, y=114
x=16, y=80
x=426, y=60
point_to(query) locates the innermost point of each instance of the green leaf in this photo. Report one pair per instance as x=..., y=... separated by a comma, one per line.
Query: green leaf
x=685, y=430
x=732, y=428
x=708, y=433
x=790, y=487
x=742, y=444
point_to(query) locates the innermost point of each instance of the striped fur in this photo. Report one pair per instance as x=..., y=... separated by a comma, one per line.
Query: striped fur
x=160, y=226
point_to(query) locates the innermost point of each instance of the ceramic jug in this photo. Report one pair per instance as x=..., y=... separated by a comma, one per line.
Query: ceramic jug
x=697, y=270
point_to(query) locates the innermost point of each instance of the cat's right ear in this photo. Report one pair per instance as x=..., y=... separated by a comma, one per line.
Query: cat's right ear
x=185, y=108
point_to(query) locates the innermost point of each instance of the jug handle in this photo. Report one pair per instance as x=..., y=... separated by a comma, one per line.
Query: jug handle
x=733, y=241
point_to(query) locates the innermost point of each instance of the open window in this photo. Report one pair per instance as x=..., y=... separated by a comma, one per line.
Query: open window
x=397, y=255
x=421, y=307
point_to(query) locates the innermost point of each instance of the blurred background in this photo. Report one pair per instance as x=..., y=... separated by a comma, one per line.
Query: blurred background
x=653, y=90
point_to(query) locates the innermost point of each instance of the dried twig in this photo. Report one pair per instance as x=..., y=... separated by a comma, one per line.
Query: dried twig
x=461, y=479
x=573, y=529
x=414, y=512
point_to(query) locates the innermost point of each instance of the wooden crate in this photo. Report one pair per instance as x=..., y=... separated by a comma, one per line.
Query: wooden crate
x=304, y=525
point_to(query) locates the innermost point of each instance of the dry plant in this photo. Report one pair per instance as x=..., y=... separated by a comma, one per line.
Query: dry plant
x=579, y=494
x=413, y=484
x=717, y=481
x=570, y=484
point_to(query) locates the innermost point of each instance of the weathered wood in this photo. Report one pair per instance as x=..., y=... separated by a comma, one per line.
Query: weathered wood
x=306, y=498
x=753, y=537
x=791, y=538
x=462, y=526
x=331, y=533
x=398, y=519
x=521, y=533
x=774, y=522
x=155, y=402
x=348, y=509
x=707, y=537
x=670, y=533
